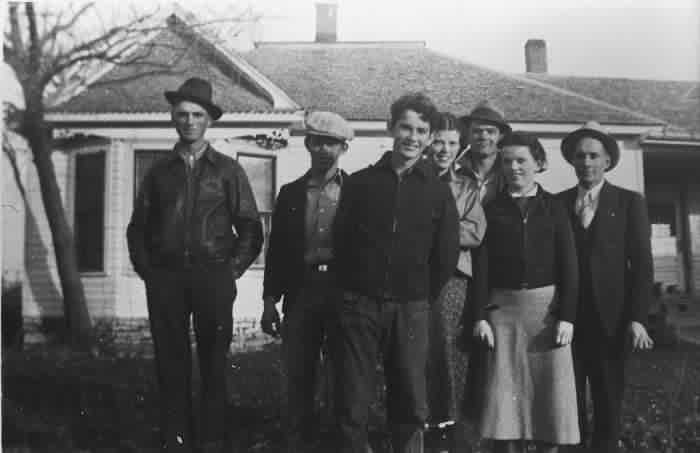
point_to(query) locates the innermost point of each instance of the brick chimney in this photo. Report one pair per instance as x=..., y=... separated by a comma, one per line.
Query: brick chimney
x=536, y=56
x=326, y=22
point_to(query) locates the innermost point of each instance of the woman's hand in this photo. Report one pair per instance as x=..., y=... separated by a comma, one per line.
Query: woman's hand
x=483, y=331
x=564, y=333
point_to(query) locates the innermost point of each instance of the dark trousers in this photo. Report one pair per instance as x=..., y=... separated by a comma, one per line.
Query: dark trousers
x=307, y=320
x=206, y=293
x=601, y=362
x=399, y=331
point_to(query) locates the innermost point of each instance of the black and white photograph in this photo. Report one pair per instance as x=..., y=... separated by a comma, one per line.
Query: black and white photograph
x=352, y=226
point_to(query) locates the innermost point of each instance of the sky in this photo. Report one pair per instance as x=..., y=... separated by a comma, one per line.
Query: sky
x=610, y=38
x=646, y=39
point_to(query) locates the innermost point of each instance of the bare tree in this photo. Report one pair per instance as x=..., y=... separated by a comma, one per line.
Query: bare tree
x=53, y=55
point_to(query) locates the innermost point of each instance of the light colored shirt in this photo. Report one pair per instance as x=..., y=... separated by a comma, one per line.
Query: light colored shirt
x=191, y=158
x=489, y=185
x=530, y=193
x=588, y=196
x=321, y=205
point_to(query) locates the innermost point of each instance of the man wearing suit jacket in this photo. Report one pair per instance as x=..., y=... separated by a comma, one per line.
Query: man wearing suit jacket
x=612, y=232
x=298, y=267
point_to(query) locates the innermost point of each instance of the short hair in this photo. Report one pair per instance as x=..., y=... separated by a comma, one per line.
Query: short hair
x=419, y=103
x=446, y=121
x=521, y=138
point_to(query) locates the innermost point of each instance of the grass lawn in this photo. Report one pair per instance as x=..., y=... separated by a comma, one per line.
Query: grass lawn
x=56, y=401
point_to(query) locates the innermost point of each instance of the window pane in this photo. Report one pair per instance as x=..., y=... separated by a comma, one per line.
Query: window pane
x=89, y=211
x=143, y=160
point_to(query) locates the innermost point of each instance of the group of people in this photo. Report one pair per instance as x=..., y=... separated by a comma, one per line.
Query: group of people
x=492, y=304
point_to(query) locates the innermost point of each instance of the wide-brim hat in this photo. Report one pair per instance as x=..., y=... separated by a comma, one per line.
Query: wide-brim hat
x=328, y=124
x=198, y=91
x=487, y=113
x=594, y=130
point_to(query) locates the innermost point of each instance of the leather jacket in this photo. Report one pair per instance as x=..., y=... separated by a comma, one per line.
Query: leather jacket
x=184, y=217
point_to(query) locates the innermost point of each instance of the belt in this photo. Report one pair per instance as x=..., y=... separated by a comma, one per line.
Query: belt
x=323, y=267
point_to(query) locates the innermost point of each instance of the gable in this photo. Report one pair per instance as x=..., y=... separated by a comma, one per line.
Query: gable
x=125, y=89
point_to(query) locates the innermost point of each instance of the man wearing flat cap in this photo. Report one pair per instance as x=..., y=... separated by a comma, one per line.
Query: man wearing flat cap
x=485, y=126
x=299, y=268
x=613, y=242
x=182, y=244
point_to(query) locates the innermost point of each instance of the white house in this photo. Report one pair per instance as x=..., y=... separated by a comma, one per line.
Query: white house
x=108, y=135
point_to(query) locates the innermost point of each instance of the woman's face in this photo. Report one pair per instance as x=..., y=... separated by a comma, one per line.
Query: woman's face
x=519, y=167
x=444, y=148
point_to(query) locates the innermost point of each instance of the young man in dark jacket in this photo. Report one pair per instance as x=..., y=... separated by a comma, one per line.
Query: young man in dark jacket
x=182, y=244
x=298, y=267
x=396, y=244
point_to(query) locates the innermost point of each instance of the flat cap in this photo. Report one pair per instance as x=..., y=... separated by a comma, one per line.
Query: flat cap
x=328, y=124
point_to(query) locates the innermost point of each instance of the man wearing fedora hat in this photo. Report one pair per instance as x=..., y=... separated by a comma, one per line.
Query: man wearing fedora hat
x=485, y=126
x=613, y=242
x=299, y=267
x=182, y=244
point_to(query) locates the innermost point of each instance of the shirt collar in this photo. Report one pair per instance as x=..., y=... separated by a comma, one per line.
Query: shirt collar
x=593, y=191
x=337, y=178
x=530, y=193
x=465, y=164
x=421, y=167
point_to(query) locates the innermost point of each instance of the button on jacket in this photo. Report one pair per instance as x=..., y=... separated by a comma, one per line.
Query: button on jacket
x=396, y=237
x=528, y=250
x=185, y=216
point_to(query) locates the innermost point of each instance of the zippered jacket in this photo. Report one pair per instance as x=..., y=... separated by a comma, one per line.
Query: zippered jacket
x=184, y=217
x=396, y=238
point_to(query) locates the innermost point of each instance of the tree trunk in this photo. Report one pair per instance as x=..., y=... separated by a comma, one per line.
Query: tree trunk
x=77, y=318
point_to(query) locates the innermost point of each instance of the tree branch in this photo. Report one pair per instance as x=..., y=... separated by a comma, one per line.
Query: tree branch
x=52, y=35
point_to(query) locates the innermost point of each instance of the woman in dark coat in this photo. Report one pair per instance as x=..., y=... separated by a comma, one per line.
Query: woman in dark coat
x=447, y=365
x=526, y=286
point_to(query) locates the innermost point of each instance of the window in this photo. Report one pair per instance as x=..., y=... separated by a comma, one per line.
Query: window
x=143, y=160
x=89, y=211
x=261, y=174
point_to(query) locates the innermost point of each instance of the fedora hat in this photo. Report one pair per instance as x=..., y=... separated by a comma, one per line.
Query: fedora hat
x=594, y=130
x=198, y=91
x=488, y=113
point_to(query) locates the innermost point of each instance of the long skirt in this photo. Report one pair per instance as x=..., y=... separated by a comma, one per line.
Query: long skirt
x=530, y=389
x=447, y=364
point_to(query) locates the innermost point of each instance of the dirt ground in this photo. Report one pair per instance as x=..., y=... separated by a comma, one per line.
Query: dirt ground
x=56, y=401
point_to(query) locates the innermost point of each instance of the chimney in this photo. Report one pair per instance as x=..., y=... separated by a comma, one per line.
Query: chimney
x=326, y=22
x=536, y=56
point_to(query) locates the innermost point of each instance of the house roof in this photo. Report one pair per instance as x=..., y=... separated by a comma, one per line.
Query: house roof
x=677, y=102
x=359, y=81
x=124, y=89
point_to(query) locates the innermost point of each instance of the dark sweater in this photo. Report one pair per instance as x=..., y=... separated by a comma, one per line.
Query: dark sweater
x=396, y=238
x=527, y=249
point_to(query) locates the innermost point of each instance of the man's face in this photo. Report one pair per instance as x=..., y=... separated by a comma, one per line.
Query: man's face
x=483, y=138
x=191, y=121
x=324, y=151
x=411, y=135
x=590, y=161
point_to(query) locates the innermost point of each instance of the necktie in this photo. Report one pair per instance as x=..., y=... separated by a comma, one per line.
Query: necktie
x=586, y=211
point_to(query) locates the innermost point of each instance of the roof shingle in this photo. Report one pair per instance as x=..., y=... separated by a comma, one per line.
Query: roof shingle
x=122, y=90
x=360, y=82
x=677, y=102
